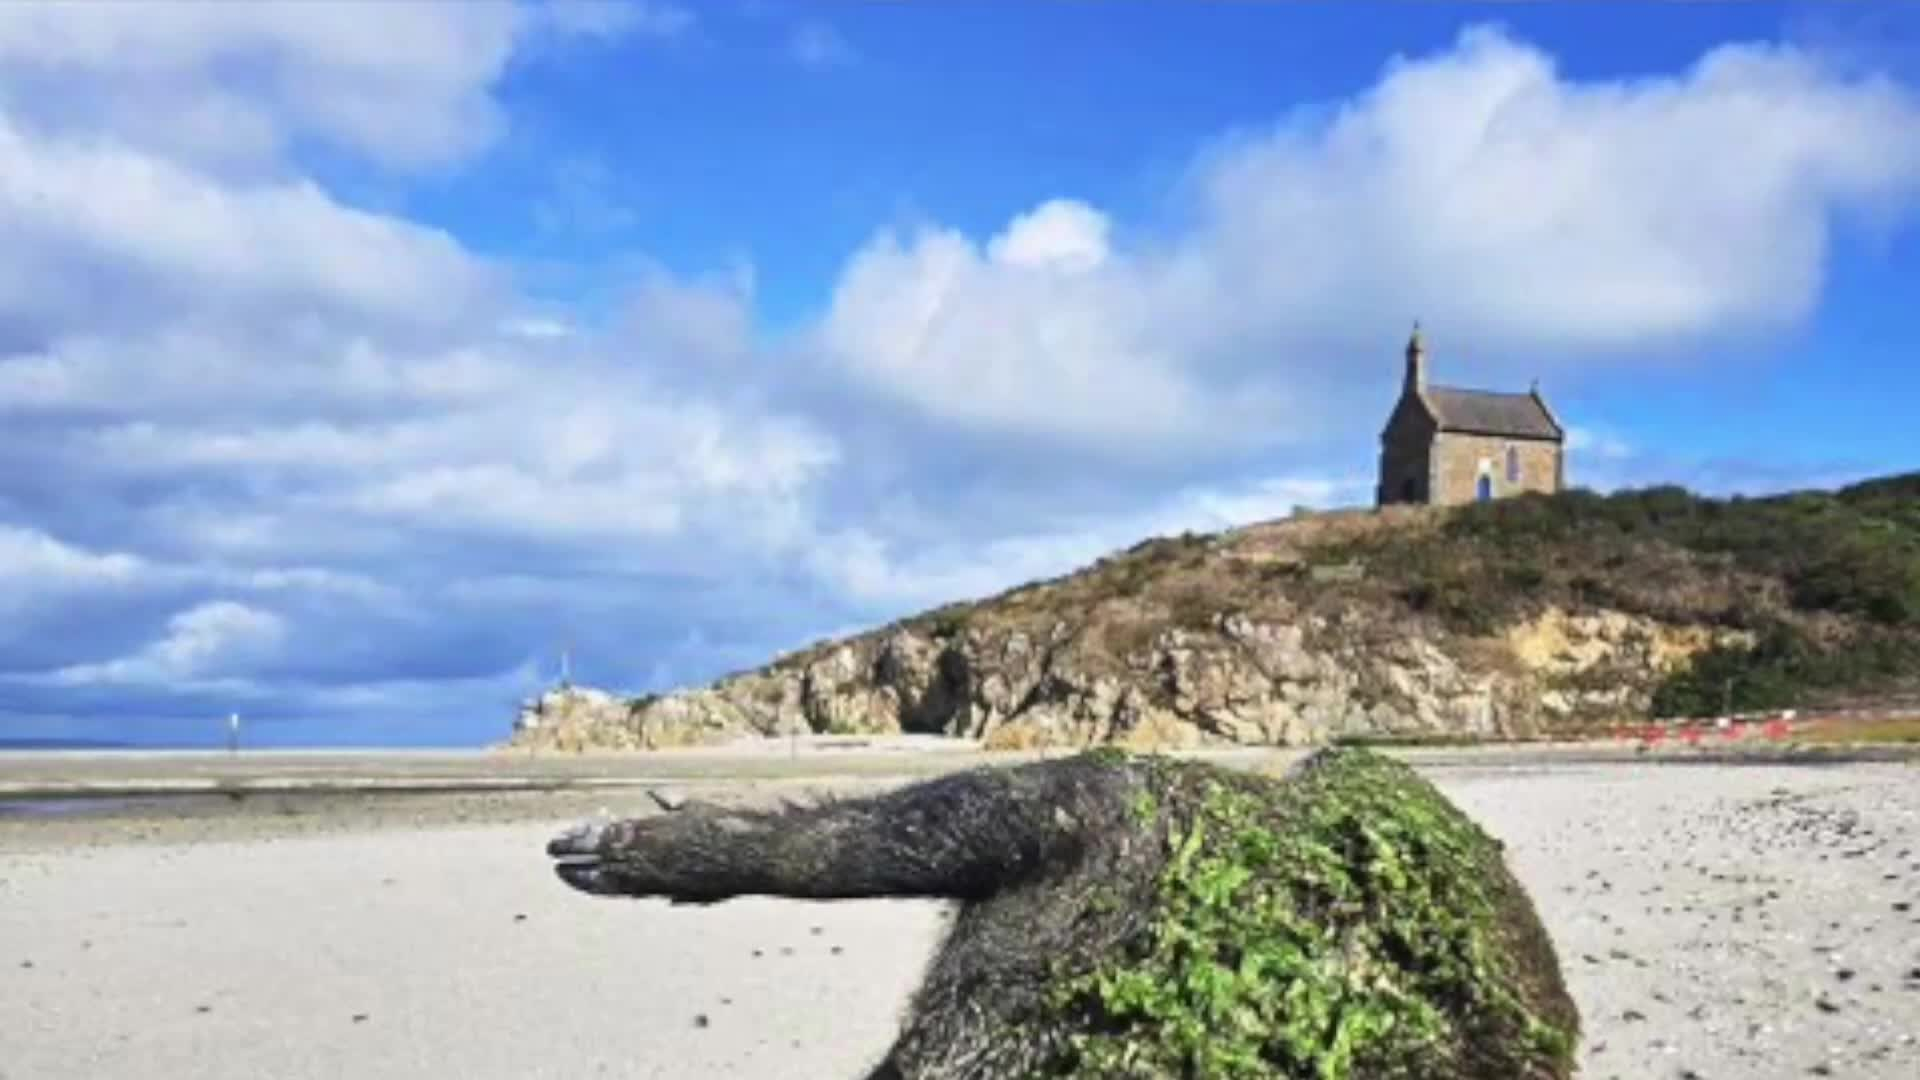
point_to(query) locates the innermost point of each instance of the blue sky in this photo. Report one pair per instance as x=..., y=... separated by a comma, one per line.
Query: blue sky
x=350, y=363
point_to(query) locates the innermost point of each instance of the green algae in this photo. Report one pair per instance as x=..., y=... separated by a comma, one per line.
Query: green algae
x=1348, y=922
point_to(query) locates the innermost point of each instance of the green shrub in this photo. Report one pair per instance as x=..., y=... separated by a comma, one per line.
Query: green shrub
x=1854, y=552
x=1784, y=668
x=1673, y=555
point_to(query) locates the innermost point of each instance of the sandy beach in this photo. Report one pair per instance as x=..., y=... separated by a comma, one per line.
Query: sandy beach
x=1714, y=920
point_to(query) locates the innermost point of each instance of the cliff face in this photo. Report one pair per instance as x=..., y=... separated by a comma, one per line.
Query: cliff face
x=1235, y=639
x=1234, y=681
x=1532, y=616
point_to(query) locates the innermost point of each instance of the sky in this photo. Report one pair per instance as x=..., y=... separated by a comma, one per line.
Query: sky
x=358, y=358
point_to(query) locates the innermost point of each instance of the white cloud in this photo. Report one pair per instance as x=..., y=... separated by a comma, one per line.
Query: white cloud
x=580, y=462
x=1003, y=343
x=214, y=639
x=1598, y=443
x=85, y=212
x=410, y=88
x=583, y=199
x=690, y=324
x=202, y=365
x=30, y=558
x=496, y=690
x=209, y=633
x=1524, y=215
x=1060, y=234
x=1602, y=460
x=40, y=569
x=566, y=447
x=307, y=378
x=304, y=416
x=537, y=328
x=612, y=18
x=817, y=46
x=878, y=573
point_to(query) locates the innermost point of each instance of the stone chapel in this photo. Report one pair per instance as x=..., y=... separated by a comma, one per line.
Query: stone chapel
x=1445, y=446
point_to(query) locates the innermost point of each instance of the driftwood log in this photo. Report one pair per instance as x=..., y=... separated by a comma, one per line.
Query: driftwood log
x=1143, y=916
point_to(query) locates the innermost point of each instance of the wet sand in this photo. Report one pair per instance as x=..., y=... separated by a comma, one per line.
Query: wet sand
x=1713, y=920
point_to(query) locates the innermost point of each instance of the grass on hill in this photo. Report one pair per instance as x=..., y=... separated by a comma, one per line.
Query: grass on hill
x=1826, y=583
x=1892, y=730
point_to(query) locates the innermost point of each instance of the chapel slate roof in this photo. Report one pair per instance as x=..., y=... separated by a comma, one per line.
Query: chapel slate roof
x=1486, y=412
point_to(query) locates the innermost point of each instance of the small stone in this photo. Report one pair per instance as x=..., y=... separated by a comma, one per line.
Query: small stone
x=700, y=1021
x=359, y=1018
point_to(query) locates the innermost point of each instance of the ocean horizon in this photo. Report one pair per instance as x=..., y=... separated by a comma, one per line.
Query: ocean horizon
x=69, y=744
x=59, y=745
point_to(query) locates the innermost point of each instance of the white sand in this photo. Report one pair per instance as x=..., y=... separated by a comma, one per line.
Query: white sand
x=254, y=959
x=1725, y=922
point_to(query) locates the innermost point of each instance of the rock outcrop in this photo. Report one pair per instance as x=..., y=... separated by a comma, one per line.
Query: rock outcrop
x=1235, y=681
x=1270, y=635
x=1519, y=617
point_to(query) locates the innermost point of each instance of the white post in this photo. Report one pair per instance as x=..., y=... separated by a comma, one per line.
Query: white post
x=233, y=733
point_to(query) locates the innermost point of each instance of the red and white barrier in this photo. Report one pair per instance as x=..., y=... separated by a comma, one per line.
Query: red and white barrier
x=1772, y=727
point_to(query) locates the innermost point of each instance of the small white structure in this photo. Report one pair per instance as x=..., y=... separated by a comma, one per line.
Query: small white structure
x=561, y=702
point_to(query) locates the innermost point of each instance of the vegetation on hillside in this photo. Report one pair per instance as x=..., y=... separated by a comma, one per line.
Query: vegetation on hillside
x=1827, y=582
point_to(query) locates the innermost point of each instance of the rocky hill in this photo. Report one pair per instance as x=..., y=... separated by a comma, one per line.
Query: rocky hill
x=1518, y=618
